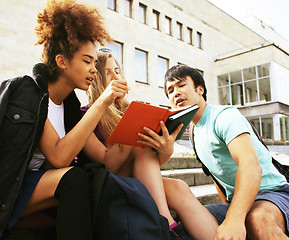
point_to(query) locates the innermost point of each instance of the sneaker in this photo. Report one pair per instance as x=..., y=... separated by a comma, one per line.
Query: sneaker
x=178, y=233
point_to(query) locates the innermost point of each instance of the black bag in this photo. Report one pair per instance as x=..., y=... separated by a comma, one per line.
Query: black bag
x=125, y=209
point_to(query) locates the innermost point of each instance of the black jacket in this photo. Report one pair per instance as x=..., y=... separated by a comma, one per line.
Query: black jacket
x=23, y=112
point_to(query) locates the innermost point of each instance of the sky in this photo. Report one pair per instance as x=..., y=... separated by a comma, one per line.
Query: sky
x=274, y=13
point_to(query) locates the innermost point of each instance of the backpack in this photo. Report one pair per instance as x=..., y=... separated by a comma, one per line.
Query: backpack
x=283, y=169
x=124, y=209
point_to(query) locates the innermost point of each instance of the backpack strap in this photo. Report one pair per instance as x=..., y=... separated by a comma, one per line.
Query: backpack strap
x=283, y=169
x=205, y=169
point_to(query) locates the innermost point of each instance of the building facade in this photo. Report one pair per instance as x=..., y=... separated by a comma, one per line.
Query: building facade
x=242, y=67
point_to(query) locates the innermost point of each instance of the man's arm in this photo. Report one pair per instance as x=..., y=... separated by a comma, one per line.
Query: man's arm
x=247, y=184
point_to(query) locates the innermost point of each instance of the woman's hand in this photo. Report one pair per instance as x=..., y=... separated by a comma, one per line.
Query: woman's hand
x=164, y=144
x=116, y=90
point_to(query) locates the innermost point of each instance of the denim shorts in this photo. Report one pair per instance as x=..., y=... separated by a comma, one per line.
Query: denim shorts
x=280, y=197
x=29, y=183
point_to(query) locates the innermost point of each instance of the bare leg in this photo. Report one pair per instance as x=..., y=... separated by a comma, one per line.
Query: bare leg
x=147, y=169
x=197, y=220
x=71, y=187
x=265, y=221
x=43, y=195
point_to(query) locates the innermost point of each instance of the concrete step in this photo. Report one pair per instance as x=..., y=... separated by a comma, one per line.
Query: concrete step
x=181, y=162
x=183, y=165
x=206, y=194
x=193, y=176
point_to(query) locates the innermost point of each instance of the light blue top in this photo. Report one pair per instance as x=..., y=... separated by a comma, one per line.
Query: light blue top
x=218, y=126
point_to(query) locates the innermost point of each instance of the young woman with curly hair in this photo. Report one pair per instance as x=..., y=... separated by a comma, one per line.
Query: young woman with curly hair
x=69, y=33
x=143, y=164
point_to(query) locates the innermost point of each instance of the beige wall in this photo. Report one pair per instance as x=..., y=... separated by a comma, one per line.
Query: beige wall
x=222, y=36
x=17, y=38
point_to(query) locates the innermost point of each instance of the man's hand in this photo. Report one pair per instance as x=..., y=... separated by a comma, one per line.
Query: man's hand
x=231, y=230
x=164, y=144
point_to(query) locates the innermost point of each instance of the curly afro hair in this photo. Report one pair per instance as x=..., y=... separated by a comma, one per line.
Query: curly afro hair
x=63, y=26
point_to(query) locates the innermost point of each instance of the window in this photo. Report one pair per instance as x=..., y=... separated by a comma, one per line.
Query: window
x=117, y=51
x=179, y=31
x=224, y=90
x=156, y=20
x=163, y=66
x=263, y=70
x=142, y=13
x=249, y=73
x=250, y=84
x=111, y=4
x=284, y=127
x=199, y=40
x=267, y=126
x=189, y=36
x=256, y=123
x=141, y=66
x=264, y=82
x=264, y=89
x=168, y=25
x=237, y=94
x=128, y=8
x=236, y=88
x=236, y=77
x=263, y=125
x=246, y=86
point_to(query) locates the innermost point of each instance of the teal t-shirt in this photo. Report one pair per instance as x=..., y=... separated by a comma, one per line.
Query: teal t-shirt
x=218, y=126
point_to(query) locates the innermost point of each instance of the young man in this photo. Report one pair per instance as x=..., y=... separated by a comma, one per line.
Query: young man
x=256, y=193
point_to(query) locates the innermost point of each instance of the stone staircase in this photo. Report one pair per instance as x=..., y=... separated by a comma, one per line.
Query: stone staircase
x=184, y=165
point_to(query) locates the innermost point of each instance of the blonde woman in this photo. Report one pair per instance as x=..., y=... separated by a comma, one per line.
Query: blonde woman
x=143, y=164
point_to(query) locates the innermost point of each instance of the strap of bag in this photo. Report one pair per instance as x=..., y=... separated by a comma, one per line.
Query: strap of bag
x=283, y=169
x=205, y=169
x=98, y=175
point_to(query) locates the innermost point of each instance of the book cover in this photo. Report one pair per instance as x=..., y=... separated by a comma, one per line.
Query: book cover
x=185, y=116
x=139, y=115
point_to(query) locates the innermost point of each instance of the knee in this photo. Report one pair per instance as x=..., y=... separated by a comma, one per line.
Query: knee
x=256, y=217
x=181, y=186
x=259, y=221
x=261, y=224
x=177, y=190
x=75, y=179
